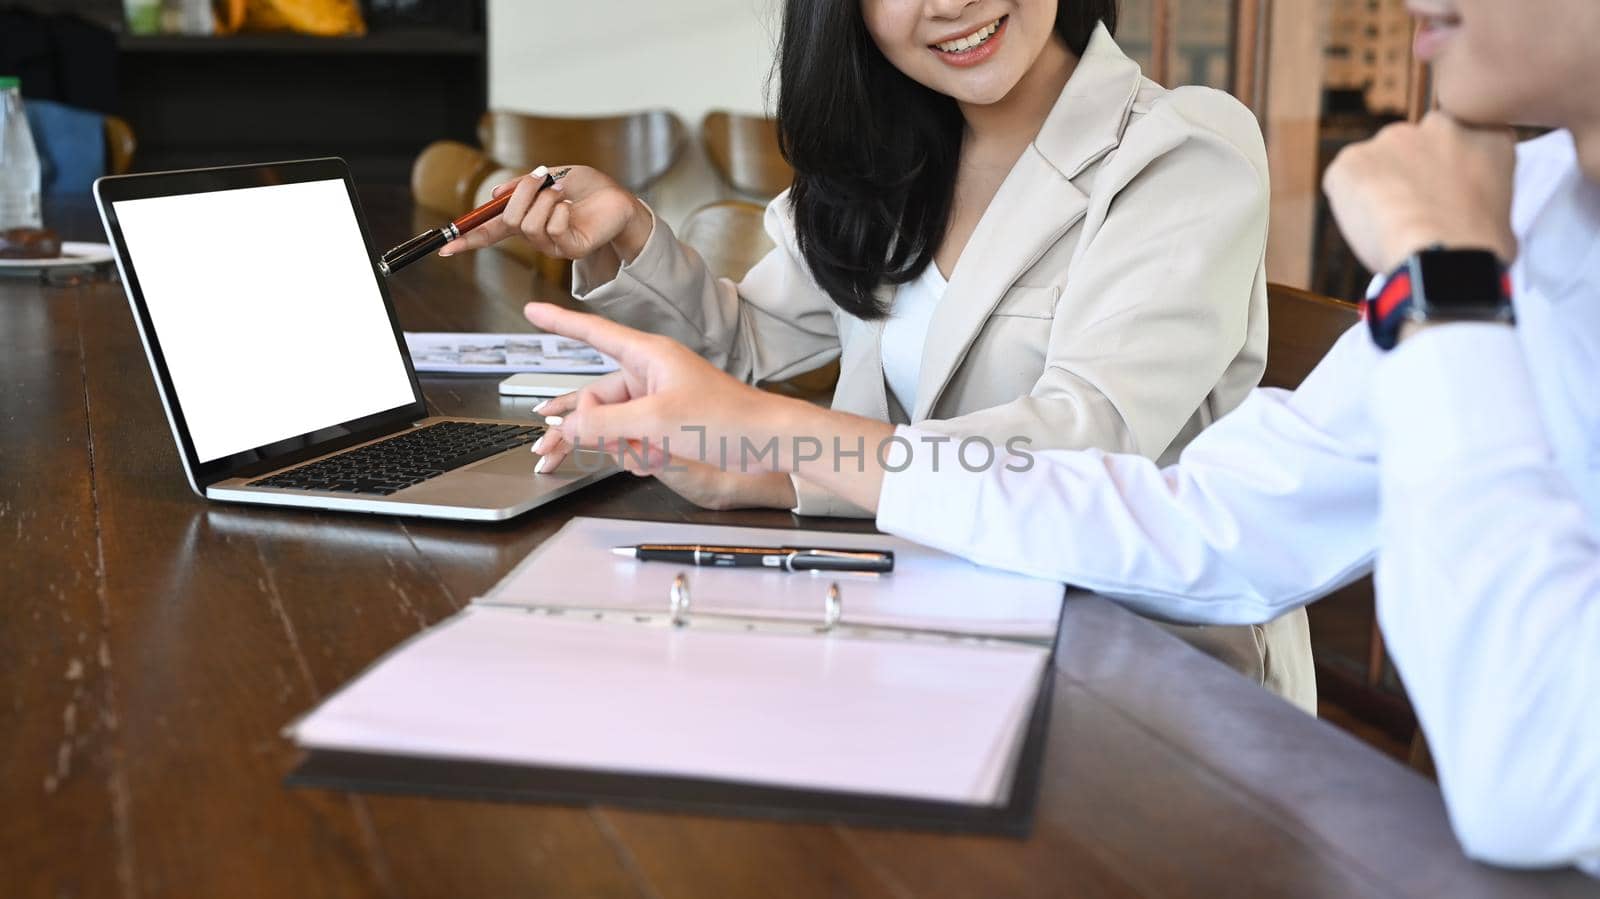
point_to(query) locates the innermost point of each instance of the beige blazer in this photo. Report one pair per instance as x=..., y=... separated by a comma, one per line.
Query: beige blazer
x=1113, y=295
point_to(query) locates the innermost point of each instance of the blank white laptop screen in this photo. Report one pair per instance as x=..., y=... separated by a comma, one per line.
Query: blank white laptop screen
x=267, y=311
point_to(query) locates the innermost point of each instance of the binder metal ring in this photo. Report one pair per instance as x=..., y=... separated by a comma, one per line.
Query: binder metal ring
x=679, y=598
x=678, y=606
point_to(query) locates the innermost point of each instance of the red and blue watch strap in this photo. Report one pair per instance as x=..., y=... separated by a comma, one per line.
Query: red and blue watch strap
x=1390, y=308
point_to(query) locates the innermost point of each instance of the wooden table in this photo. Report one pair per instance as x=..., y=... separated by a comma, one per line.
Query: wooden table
x=152, y=646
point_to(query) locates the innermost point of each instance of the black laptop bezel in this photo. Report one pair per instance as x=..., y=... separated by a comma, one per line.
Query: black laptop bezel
x=111, y=190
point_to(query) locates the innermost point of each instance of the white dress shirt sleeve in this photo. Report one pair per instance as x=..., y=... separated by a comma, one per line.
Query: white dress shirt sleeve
x=1269, y=508
x=1489, y=596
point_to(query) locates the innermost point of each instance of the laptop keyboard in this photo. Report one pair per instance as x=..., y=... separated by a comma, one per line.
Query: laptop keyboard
x=403, y=460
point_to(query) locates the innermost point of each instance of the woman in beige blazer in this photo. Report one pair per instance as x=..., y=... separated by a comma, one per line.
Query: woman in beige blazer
x=1097, y=279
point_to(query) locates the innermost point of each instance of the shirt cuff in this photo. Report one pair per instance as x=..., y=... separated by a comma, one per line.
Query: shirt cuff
x=1454, y=393
x=813, y=500
x=652, y=256
x=927, y=495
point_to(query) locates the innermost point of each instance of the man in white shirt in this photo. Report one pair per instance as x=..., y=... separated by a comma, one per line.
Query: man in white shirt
x=1464, y=466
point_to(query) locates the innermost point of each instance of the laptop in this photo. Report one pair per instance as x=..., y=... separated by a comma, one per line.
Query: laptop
x=279, y=358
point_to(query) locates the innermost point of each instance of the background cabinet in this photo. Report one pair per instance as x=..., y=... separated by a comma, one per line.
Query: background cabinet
x=375, y=100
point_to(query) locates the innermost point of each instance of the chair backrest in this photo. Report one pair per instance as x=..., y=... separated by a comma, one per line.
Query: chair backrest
x=447, y=175
x=636, y=149
x=1303, y=326
x=120, y=146
x=744, y=151
x=728, y=235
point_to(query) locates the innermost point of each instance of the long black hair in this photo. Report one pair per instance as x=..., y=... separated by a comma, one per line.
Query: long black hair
x=874, y=152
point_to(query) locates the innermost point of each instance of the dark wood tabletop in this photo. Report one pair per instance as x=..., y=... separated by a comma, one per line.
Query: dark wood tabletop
x=152, y=646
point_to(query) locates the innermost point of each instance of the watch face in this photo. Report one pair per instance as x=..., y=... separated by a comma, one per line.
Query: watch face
x=1465, y=280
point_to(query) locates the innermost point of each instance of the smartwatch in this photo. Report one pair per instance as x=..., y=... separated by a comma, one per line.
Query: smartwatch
x=1440, y=285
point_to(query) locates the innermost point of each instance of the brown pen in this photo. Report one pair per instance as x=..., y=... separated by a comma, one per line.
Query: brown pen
x=434, y=238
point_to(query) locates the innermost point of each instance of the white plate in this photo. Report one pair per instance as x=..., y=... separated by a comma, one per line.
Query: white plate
x=72, y=253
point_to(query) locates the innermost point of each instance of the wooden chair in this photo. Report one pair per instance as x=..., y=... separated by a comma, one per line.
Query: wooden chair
x=729, y=236
x=120, y=146
x=1303, y=328
x=447, y=175
x=744, y=151
x=636, y=149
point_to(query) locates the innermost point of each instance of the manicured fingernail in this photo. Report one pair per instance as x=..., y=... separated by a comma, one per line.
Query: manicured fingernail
x=543, y=467
x=557, y=187
x=540, y=172
x=540, y=405
x=538, y=445
x=445, y=253
x=554, y=421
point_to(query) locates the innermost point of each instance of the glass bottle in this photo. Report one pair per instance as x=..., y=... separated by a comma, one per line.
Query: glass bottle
x=19, y=162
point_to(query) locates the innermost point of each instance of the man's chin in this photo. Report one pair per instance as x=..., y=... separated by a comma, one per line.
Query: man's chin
x=1477, y=110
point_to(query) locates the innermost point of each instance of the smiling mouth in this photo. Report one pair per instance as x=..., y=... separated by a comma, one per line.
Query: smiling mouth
x=1436, y=29
x=971, y=40
x=1435, y=15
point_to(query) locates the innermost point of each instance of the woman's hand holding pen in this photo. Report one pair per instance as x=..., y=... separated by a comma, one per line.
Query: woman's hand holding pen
x=584, y=214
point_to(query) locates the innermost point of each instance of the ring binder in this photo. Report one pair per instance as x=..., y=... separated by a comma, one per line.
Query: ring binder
x=678, y=606
x=758, y=747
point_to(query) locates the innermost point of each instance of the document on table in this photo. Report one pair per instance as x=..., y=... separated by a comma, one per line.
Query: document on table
x=575, y=661
x=467, y=353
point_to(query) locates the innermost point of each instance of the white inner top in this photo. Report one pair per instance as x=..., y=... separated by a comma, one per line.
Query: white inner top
x=906, y=333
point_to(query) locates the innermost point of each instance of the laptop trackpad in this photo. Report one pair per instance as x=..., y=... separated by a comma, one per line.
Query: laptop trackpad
x=521, y=464
x=516, y=463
